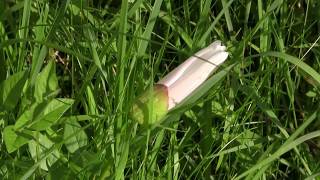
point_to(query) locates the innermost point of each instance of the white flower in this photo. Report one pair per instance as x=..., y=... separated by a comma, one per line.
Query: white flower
x=178, y=84
x=184, y=79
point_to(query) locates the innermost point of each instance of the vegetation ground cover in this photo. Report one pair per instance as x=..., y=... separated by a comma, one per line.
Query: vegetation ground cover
x=70, y=71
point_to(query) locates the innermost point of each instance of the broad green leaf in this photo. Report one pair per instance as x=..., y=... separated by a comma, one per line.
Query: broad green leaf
x=89, y=160
x=74, y=135
x=40, y=31
x=11, y=90
x=13, y=140
x=60, y=170
x=37, y=62
x=248, y=136
x=26, y=116
x=46, y=82
x=81, y=117
x=52, y=112
x=39, y=151
x=43, y=115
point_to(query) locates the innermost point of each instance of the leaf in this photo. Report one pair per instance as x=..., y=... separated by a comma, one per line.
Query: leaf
x=46, y=82
x=74, y=135
x=88, y=160
x=39, y=151
x=43, y=115
x=26, y=116
x=287, y=146
x=60, y=170
x=298, y=62
x=52, y=112
x=12, y=140
x=11, y=90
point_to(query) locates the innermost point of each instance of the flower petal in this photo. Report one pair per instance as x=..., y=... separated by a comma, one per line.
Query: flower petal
x=183, y=80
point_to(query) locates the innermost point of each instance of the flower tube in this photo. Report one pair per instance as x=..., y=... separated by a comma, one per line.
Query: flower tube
x=176, y=86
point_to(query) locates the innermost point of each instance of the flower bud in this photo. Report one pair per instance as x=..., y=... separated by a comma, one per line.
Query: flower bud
x=176, y=86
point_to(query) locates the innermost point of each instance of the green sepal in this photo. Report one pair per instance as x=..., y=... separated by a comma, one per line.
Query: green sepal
x=151, y=106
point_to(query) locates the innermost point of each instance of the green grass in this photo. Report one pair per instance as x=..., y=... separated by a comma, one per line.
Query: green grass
x=70, y=71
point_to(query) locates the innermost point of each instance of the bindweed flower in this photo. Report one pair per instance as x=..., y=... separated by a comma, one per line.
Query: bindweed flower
x=154, y=104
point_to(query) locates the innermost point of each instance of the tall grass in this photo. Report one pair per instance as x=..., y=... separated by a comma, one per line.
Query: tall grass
x=70, y=70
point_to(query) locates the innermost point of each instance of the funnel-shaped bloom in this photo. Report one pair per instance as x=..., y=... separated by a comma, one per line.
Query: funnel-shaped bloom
x=178, y=84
